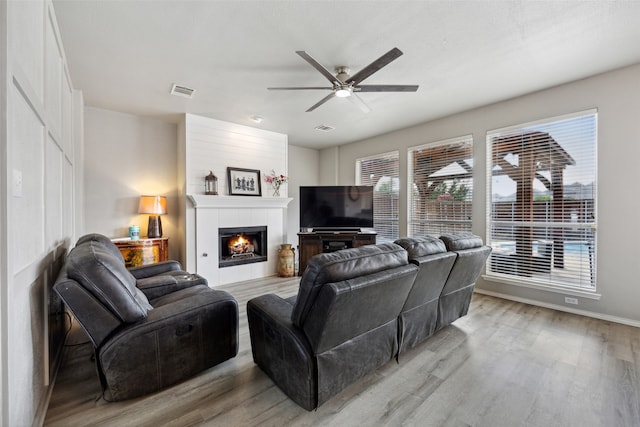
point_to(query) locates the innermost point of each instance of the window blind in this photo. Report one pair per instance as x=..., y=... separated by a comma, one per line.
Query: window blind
x=440, y=187
x=542, y=188
x=382, y=172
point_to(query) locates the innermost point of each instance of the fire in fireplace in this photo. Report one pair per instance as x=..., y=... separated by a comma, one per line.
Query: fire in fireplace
x=242, y=245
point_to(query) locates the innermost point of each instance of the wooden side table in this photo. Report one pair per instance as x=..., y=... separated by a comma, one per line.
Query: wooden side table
x=143, y=251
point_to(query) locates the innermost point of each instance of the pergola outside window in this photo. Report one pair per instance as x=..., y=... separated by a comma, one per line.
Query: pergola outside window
x=542, y=215
x=440, y=187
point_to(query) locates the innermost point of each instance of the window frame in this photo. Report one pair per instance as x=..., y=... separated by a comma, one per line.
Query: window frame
x=410, y=178
x=395, y=223
x=529, y=282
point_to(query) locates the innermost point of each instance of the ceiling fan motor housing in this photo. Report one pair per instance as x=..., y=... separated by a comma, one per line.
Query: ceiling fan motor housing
x=342, y=73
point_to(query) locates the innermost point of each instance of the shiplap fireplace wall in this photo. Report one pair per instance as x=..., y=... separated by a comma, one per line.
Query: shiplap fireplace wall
x=214, y=145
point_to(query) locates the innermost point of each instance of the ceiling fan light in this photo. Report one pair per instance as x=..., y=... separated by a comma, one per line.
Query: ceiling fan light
x=343, y=93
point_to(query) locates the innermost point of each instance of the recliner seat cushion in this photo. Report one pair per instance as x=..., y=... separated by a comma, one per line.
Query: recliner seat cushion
x=106, y=277
x=343, y=265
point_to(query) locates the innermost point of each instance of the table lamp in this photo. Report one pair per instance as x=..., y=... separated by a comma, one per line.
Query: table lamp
x=155, y=206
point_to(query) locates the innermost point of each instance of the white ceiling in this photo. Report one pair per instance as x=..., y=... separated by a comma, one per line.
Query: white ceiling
x=125, y=55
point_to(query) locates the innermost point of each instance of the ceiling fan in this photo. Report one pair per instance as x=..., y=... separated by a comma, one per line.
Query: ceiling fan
x=345, y=86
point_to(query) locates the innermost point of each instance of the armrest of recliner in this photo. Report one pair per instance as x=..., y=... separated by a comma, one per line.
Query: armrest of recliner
x=163, y=284
x=281, y=349
x=93, y=317
x=149, y=270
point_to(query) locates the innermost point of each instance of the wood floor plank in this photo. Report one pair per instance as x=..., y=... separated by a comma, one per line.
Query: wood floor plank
x=504, y=364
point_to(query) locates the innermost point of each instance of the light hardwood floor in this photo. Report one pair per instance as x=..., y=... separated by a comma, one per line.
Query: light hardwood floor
x=504, y=364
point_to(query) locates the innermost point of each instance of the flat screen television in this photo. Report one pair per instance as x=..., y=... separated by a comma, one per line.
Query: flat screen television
x=348, y=207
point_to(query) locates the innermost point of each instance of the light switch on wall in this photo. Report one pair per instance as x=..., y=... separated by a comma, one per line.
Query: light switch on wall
x=17, y=183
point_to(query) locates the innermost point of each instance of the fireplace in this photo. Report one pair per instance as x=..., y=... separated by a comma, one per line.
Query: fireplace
x=242, y=245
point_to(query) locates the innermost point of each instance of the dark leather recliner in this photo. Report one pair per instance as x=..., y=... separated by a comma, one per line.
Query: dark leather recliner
x=342, y=325
x=471, y=256
x=151, y=327
x=419, y=316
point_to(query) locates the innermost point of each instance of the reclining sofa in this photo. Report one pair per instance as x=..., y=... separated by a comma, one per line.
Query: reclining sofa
x=356, y=309
x=342, y=324
x=448, y=269
x=151, y=326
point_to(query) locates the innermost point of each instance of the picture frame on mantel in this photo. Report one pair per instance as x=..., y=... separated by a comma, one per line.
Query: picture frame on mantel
x=243, y=182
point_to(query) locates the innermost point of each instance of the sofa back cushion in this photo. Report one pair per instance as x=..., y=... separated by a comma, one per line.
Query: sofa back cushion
x=461, y=241
x=434, y=262
x=343, y=265
x=472, y=255
x=105, y=276
x=467, y=268
x=348, y=310
x=418, y=247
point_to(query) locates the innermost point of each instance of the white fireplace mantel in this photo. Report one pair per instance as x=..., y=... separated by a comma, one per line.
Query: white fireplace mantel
x=215, y=212
x=202, y=201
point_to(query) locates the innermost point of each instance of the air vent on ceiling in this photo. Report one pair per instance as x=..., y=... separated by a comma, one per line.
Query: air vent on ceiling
x=179, y=90
x=324, y=128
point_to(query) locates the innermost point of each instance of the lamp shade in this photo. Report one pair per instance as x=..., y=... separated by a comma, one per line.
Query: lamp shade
x=156, y=205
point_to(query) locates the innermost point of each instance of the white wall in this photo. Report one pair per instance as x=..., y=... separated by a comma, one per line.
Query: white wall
x=214, y=145
x=616, y=95
x=40, y=112
x=127, y=156
x=329, y=163
x=4, y=80
x=303, y=170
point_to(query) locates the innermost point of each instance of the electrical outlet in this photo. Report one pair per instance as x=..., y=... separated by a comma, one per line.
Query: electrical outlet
x=570, y=300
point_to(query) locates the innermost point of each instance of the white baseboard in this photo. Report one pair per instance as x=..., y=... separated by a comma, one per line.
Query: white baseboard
x=586, y=313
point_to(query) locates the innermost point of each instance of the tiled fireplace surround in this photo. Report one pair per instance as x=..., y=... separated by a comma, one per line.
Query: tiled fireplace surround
x=215, y=212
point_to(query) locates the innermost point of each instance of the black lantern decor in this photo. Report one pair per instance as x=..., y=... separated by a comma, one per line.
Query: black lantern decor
x=211, y=184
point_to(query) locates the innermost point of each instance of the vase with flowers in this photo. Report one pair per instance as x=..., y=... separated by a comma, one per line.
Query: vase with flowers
x=276, y=180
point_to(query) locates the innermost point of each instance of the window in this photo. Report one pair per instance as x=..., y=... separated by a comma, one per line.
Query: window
x=542, y=215
x=440, y=187
x=382, y=172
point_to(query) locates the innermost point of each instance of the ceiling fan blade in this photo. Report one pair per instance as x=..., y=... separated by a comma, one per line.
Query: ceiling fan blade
x=385, y=88
x=299, y=88
x=358, y=102
x=322, y=101
x=374, y=66
x=315, y=64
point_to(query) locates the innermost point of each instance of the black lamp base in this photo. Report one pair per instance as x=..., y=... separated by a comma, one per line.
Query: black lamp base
x=155, y=226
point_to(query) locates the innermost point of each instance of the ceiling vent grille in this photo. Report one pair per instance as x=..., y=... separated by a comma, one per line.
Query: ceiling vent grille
x=182, y=91
x=324, y=128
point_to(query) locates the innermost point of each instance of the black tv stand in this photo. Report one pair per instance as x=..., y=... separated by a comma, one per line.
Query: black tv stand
x=323, y=241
